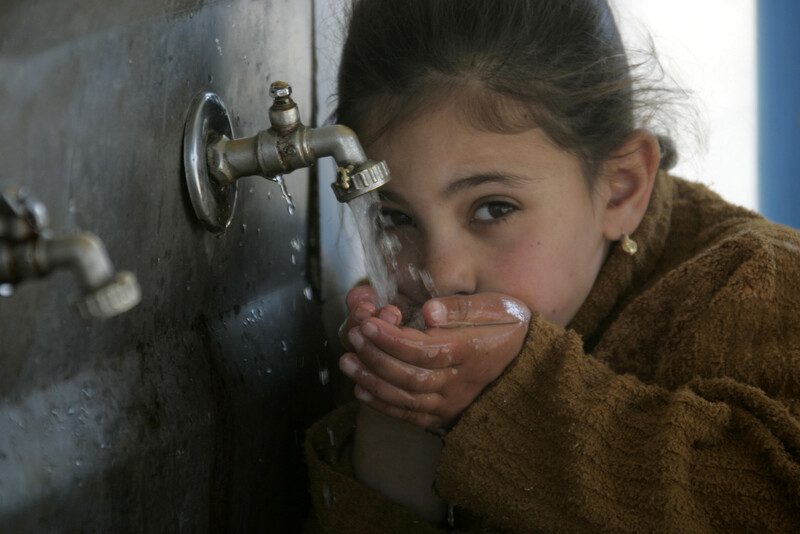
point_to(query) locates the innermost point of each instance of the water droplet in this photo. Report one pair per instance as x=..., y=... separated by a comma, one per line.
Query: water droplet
x=331, y=436
x=296, y=243
x=324, y=377
x=210, y=78
x=308, y=293
x=327, y=494
x=78, y=463
x=284, y=346
x=244, y=227
x=6, y=290
x=294, y=261
x=269, y=370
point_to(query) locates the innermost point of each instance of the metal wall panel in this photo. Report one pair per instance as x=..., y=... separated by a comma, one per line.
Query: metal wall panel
x=186, y=413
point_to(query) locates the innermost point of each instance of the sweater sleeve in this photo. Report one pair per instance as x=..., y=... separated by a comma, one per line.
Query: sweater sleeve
x=708, y=442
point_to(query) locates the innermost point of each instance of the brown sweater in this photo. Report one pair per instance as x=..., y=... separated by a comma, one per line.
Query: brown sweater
x=671, y=403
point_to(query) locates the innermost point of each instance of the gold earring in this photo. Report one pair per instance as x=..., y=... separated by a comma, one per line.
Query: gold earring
x=629, y=245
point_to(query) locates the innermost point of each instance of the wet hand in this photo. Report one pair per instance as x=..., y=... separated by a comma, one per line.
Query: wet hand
x=362, y=302
x=429, y=377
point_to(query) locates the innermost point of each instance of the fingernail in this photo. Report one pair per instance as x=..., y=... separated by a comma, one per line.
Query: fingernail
x=363, y=311
x=438, y=311
x=362, y=394
x=348, y=366
x=369, y=330
x=356, y=338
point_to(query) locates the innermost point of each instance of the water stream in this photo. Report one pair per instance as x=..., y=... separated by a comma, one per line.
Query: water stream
x=380, y=249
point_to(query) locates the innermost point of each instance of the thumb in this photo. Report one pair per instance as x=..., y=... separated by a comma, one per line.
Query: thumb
x=474, y=310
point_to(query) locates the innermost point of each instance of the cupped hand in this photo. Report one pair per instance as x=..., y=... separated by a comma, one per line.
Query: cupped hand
x=429, y=377
x=362, y=302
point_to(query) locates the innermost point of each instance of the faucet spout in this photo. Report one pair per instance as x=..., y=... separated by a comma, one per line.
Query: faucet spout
x=286, y=146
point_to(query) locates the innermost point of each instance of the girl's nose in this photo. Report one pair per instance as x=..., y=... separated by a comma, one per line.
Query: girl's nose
x=451, y=266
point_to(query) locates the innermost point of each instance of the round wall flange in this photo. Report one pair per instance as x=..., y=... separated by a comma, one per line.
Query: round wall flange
x=213, y=203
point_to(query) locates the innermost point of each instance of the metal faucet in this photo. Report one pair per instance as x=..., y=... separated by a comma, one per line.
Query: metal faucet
x=29, y=250
x=213, y=160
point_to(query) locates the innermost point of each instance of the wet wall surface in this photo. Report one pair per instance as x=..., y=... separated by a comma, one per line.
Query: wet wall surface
x=187, y=413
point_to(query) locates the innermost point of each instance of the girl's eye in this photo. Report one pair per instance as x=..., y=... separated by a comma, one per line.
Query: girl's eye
x=392, y=218
x=493, y=210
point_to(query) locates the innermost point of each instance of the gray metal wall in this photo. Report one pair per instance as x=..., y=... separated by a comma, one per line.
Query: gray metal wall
x=185, y=414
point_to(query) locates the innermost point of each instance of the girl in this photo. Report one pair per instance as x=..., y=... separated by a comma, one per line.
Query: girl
x=607, y=348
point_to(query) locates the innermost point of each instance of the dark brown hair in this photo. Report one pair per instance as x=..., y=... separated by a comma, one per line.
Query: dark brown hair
x=511, y=65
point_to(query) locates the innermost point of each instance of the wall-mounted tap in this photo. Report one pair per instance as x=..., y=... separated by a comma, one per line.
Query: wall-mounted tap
x=29, y=250
x=214, y=160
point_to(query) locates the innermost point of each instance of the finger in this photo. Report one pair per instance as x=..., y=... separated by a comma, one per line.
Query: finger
x=474, y=310
x=425, y=349
x=362, y=311
x=391, y=314
x=397, y=372
x=361, y=294
x=423, y=420
x=384, y=391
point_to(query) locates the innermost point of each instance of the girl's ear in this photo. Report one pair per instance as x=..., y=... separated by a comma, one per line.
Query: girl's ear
x=628, y=178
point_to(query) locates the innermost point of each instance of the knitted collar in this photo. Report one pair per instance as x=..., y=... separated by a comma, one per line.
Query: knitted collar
x=621, y=272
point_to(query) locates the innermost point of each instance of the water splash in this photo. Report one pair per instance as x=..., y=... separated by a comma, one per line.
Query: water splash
x=380, y=248
x=423, y=276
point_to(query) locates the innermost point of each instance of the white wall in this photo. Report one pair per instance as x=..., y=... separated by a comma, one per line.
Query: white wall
x=709, y=47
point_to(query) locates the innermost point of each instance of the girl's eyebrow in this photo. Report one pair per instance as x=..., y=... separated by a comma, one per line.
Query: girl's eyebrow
x=510, y=180
x=475, y=180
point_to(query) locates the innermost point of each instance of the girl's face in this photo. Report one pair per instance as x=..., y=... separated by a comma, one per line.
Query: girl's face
x=489, y=212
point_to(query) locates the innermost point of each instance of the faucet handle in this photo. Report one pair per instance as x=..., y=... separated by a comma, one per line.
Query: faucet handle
x=279, y=89
x=118, y=296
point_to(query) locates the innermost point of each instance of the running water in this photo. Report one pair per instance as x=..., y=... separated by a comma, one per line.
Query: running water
x=380, y=249
x=287, y=197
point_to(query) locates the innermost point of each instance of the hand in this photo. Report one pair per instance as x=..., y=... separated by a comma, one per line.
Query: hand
x=362, y=302
x=429, y=377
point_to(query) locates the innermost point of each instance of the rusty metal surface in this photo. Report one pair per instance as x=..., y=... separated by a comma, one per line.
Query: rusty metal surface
x=186, y=413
